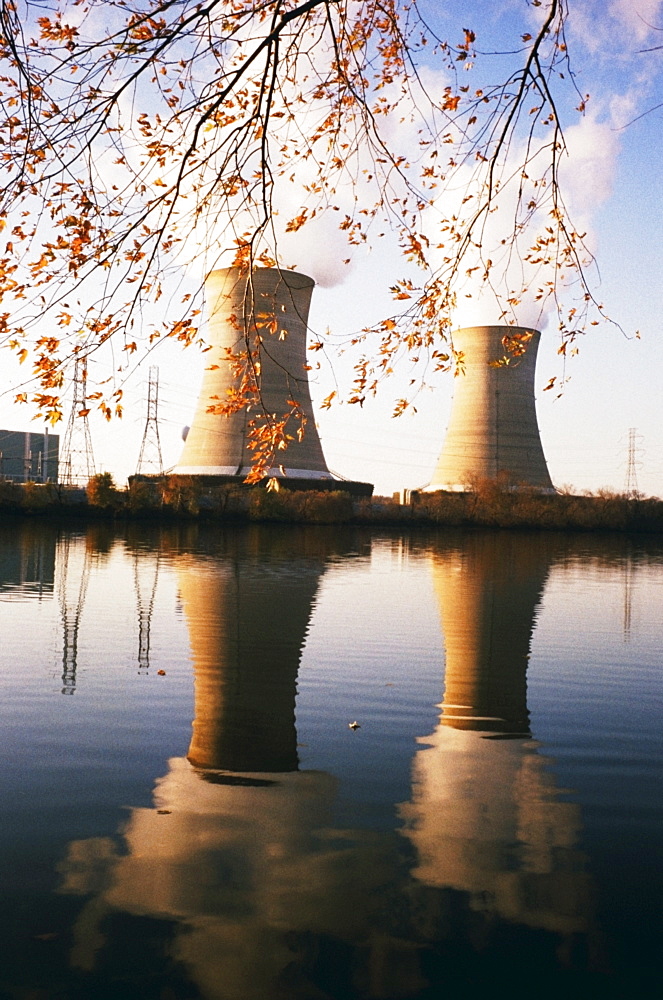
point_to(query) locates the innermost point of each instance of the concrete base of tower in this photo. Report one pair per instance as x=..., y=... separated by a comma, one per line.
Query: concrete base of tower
x=231, y=470
x=508, y=488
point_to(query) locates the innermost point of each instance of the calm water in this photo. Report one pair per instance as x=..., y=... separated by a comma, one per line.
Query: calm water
x=186, y=812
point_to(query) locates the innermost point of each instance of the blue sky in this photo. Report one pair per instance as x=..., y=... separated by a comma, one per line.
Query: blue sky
x=614, y=383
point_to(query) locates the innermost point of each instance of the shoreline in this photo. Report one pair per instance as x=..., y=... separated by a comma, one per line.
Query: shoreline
x=488, y=506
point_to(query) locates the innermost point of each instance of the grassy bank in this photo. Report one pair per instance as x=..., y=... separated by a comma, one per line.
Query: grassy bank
x=488, y=505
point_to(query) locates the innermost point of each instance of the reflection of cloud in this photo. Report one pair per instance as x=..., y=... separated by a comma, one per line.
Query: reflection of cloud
x=485, y=818
x=244, y=875
x=251, y=874
x=87, y=865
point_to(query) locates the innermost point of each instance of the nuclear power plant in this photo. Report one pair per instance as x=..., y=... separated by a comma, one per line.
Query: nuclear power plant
x=493, y=432
x=263, y=310
x=258, y=318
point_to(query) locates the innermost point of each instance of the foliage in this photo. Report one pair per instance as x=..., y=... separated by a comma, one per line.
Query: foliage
x=489, y=506
x=10, y=494
x=37, y=496
x=306, y=506
x=101, y=491
x=181, y=494
x=139, y=138
x=143, y=494
x=493, y=505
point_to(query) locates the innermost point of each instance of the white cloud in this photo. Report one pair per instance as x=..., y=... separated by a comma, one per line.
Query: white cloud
x=616, y=28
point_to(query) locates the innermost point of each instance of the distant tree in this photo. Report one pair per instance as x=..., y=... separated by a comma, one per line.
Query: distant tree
x=180, y=493
x=101, y=491
x=139, y=136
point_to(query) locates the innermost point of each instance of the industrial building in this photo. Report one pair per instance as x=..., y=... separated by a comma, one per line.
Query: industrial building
x=29, y=457
x=493, y=432
x=263, y=310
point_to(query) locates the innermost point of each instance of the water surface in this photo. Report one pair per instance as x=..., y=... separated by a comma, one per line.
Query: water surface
x=186, y=811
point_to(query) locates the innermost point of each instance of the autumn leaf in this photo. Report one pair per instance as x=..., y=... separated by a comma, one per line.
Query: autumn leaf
x=294, y=224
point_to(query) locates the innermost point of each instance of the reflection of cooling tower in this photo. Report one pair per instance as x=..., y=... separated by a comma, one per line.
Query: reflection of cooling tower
x=488, y=591
x=485, y=816
x=493, y=429
x=247, y=625
x=273, y=304
x=487, y=819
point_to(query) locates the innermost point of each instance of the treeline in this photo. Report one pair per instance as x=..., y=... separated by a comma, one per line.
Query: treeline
x=175, y=497
x=488, y=504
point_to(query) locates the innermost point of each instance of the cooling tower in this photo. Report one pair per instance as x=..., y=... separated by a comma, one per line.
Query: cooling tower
x=493, y=430
x=274, y=303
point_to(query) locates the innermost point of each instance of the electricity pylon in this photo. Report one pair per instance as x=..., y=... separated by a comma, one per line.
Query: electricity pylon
x=76, y=457
x=631, y=483
x=150, y=461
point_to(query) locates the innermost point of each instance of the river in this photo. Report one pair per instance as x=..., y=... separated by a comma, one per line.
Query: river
x=299, y=763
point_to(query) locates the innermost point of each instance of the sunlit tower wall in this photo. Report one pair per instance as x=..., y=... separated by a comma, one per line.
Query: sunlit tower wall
x=493, y=430
x=217, y=444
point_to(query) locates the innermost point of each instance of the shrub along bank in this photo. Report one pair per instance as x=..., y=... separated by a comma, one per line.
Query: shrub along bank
x=487, y=505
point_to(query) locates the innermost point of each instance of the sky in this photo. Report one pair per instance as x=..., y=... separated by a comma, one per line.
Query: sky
x=614, y=181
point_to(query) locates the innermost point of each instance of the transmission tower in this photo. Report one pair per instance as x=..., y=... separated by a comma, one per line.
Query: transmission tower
x=76, y=457
x=150, y=461
x=631, y=483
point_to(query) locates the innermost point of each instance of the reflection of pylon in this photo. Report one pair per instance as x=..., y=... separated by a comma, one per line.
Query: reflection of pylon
x=150, y=460
x=631, y=483
x=72, y=590
x=77, y=460
x=146, y=589
x=628, y=595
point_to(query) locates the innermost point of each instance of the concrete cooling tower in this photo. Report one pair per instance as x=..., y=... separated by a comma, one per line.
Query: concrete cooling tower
x=493, y=430
x=274, y=303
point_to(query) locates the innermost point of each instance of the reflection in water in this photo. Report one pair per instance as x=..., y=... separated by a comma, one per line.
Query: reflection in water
x=240, y=855
x=74, y=560
x=237, y=849
x=247, y=623
x=146, y=578
x=628, y=595
x=27, y=560
x=485, y=815
x=488, y=591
